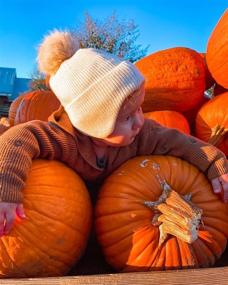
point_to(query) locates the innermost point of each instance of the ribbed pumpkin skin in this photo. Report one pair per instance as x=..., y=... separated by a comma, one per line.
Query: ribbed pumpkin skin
x=123, y=223
x=214, y=112
x=170, y=119
x=174, y=79
x=36, y=105
x=217, y=51
x=13, y=108
x=55, y=233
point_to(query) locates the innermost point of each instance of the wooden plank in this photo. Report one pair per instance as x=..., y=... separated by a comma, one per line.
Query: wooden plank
x=215, y=276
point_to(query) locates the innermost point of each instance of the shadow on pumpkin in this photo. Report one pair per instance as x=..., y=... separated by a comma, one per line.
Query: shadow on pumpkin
x=93, y=261
x=212, y=134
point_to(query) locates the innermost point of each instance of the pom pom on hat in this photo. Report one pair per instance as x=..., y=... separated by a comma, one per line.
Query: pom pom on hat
x=56, y=47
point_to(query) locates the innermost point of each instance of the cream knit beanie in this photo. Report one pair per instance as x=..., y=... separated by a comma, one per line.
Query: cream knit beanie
x=91, y=84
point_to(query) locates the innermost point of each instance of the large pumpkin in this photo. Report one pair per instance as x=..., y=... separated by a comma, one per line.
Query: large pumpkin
x=55, y=233
x=36, y=105
x=126, y=221
x=13, y=108
x=174, y=79
x=217, y=51
x=209, y=79
x=212, y=122
x=170, y=119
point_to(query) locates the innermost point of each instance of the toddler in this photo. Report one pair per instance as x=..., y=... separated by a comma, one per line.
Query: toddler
x=99, y=125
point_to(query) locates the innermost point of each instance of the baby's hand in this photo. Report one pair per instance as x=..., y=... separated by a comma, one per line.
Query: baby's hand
x=220, y=186
x=8, y=212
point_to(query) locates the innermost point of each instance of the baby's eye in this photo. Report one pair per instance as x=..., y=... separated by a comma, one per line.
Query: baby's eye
x=127, y=118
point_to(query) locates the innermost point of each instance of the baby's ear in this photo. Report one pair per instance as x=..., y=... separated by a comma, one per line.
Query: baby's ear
x=56, y=47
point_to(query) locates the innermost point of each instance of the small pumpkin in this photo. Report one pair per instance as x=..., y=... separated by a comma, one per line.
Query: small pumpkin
x=170, y=119
x=54, y=235
x=132, y=231
x=174, y=79
x=36, y=105
x=217, y=51
x=212, y=122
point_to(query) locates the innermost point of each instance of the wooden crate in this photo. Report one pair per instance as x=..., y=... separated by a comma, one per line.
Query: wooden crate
x=215, y=276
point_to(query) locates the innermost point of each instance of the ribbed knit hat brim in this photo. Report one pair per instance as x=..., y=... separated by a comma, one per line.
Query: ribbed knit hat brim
x=92, y=85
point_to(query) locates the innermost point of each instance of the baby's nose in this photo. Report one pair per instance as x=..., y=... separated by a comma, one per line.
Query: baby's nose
x=138, y=122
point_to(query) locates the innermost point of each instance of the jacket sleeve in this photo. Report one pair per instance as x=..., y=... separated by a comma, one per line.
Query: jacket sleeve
x=21, y=144
x=159, y=140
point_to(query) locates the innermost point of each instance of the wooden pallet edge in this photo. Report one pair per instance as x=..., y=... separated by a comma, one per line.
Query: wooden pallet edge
x=205, y=276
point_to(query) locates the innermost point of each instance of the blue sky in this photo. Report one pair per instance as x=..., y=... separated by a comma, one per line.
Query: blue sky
x=162, y=24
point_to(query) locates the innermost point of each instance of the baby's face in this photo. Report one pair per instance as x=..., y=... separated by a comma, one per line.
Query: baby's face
x=129, y=121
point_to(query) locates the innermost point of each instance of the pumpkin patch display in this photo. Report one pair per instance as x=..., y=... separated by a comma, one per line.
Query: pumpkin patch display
x=212, y=122
x=175, y=79
x=170, y=119
x=159, y=212
x=54, y=235
x=217, y=50
x=36, y=105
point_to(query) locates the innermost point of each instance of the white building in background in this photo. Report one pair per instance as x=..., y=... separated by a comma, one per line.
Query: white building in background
x=10, y=88
x=10, y=85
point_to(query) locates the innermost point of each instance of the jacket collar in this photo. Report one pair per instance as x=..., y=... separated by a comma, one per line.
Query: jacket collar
x=85, y=144
x=60, y=118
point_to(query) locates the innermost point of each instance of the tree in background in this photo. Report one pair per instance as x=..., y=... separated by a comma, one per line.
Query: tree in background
x=39, y=81
x=112, y=35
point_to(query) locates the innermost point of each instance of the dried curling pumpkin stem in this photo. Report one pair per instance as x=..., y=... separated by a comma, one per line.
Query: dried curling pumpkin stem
x=175, y=215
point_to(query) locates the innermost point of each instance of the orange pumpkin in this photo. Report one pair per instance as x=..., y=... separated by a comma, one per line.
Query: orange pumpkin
x=124, y=222
x=209, y=79
x=212, y=122
x=190, y=115
x=217, y=51
x=174, y=79
x=54, y=235
x=36, y=105
x=170, y=119
x=13, y=108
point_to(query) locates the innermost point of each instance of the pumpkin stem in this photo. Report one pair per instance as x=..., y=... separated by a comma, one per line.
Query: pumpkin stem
x=217, y=135
x=175, y=215
x=209, y=93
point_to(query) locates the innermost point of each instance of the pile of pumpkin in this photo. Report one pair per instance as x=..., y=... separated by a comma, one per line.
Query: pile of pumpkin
x=154, y=212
